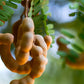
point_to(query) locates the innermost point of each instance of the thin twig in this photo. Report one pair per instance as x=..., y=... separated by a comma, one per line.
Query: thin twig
x=26, y=8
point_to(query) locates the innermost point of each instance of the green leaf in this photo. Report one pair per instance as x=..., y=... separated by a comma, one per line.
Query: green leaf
x=9, y=3
x=73, y=53
x=62, y=53
x=36, y=9
x=79, y=13
x=64, y=41
x=3, y=18
x=70, y=58
x=81, y=8
x=50, y=26
x=45, y=8
x=41, y=27
x=17, y=1
x=48, y=14
x=1, y=2
x=1, y=23
x=51, y=31
x=7, y=9
x=74, y=5
x=35, y=2
x=81, y=1
x=77, y=47
x=81, y=36
x=63, y=31
x=53, y=37
x=72, y=14
x=4, y=13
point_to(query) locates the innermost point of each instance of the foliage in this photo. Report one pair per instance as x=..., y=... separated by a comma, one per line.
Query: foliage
x=38, y=11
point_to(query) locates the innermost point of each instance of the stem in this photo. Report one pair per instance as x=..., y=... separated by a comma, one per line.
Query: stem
x=26, y=8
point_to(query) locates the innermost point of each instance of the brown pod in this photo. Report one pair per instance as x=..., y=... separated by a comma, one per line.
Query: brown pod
x=36, y=51
x=11, y=63
x=38, y=62
x=5, y=43
x=25, y=80
x=48, y=41
x=28, y=25
x=6, y=39
x=38, y=66
x=79, y=64
x=27, y=42
x=25, y=39
x=62, y=47
x=39, y=41
x=22, y=54
x=15, y=28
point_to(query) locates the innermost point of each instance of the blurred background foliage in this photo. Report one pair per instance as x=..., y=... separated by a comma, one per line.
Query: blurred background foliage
x=68, y=19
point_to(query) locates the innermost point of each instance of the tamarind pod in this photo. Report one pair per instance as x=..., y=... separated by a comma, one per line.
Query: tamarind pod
x=16, y=50
x=79, y=64
x=36, y=51
x=6, y=38
x=48, y=41
x=28, y=25
x=11, y=63
x=39, y=41
x=24, y=69
x=38, y=66
x=38, y=62
x=26, y=45
x=25, y=80
x=22, y=58
x=15, y=30
x=27, y=41
x=62, y=47
x=19, y=35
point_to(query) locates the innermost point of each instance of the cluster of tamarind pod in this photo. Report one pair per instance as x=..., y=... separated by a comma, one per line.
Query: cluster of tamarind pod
x=26, y=44
x=79, y=64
